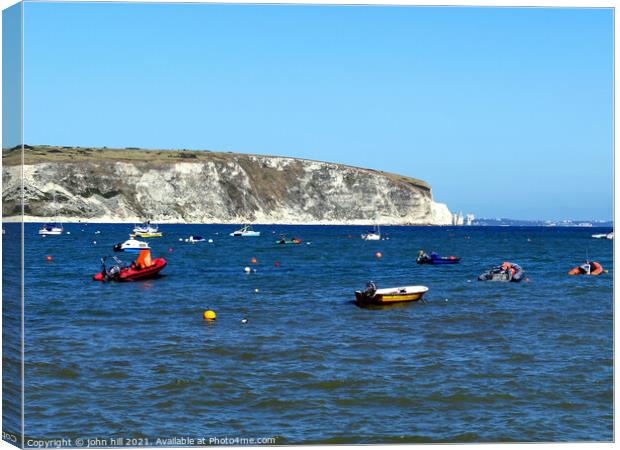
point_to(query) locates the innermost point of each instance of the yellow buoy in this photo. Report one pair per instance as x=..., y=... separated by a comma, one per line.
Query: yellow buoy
x=209, y=315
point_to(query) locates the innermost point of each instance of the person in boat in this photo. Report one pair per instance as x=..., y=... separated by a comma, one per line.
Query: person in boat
x=111, y=274
x=423, y=257
x=505, y=272
x=371, y=288
x=143, y=260
x=513, y=271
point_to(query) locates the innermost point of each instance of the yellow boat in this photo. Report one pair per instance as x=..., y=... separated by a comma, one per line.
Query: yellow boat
x=146, y=235
x=390, y=295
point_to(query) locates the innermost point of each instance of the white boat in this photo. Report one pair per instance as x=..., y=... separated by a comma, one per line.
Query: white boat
x=131, y=246
x=609, y=236
x=146, y=228
x=374, y=235
x=194, y=239
x=51, y=229
x=245, y=231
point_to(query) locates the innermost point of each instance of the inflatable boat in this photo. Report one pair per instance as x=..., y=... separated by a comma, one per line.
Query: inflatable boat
x=506, y=272
x=142, y=268
x=435, y=259
x=588, y=268
x=284, y=241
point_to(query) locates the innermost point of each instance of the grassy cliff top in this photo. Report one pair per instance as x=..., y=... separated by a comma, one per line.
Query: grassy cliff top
x=50, y=153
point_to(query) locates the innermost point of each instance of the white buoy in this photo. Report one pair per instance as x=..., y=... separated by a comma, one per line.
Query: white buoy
x=186, y=240
x=94, y=242
x=247, y=270
x=210, y=241
x=244, y=320
x=68, y=232
x=180, y=239
x=256, y=290
x=97, y=232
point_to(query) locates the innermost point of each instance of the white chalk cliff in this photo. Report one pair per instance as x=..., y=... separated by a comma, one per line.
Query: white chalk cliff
x=128, y=185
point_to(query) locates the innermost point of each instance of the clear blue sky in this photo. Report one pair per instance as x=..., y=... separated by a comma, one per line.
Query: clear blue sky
x=505, y=112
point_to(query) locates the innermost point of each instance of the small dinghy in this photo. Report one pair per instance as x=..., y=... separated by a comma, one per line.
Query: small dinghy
x=245, y=231
x=506, y=272
x=52, y=229
x=131, y=246
x=194, y=239
x=373, y=235
x=373, y=296
x=142, y=268
x=587, y=268
x=284, y=241
x=435, y=259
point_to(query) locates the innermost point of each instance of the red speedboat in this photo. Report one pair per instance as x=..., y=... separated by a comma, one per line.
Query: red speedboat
x=143, y=267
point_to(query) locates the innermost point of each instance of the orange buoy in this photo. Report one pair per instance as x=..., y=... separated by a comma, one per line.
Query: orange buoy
x=379, y=255
x=527, y=279
x=253, y=260
x=48, y=258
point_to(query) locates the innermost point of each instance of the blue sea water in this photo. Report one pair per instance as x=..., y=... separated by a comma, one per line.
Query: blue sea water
x=476, y=362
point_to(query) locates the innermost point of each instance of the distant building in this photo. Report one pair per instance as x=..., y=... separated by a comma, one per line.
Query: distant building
x=469, y=219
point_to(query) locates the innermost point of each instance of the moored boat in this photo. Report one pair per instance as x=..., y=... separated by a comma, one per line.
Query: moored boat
x=51, y=229
x=142, y=268
x=373, y=235
x=587, y=268
x=609, y=235
x=131, y=246
x=146, y=227
x=373, y=296
x=284, y=241
x=504, y=272
x=435, y=259
x=194, y=239
x=245, y=231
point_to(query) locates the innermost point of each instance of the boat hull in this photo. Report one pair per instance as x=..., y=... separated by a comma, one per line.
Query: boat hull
x=146, y=235
x=371, y=237
x=378, y=298
x=439, y=262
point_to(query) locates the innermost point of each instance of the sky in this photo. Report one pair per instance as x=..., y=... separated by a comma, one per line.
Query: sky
x=506, y=112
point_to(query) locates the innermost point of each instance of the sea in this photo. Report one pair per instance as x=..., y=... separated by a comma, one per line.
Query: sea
x=473, y=362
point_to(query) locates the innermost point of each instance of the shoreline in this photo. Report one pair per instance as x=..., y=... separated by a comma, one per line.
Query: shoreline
x=115, y=221
x=110, y=220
